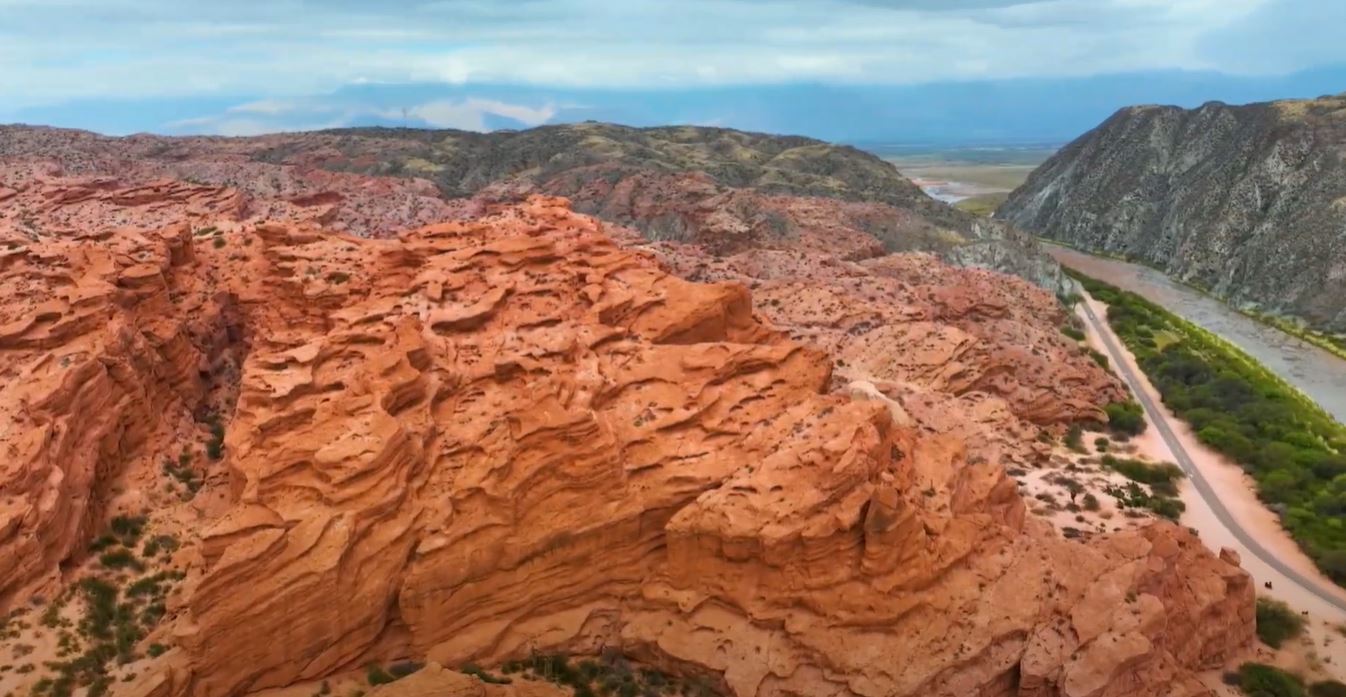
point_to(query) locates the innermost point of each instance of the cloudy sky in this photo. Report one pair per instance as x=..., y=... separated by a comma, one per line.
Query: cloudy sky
x=268, y=51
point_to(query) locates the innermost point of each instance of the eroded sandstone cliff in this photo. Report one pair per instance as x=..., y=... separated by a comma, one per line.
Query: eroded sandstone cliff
x=1246, y=201
x=524, y=431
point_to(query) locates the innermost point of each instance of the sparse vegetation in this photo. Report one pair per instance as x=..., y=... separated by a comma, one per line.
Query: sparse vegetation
x=1133, y=495
x=1126, y=418
x=128, y=529
x=982, y=204
x=1261, y=680
x=165, y=543
x=1099, y=358
x=375, y=675
x=111, y=622
x=610, y=674
x=1072, y=332
x=182, y=472
x=1328, y=688
x=1277, y=623
x=484, y=676
x=1293, y=449
x=1075, y=438
x=120, y=558
x=1162, y=476
x=215, y=446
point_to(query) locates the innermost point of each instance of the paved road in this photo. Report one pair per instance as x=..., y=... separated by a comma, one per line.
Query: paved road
x=1202, y=486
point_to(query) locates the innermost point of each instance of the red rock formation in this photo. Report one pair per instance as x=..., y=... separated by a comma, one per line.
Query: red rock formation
x=908, y=320
x=517, y=433
x=95, y=352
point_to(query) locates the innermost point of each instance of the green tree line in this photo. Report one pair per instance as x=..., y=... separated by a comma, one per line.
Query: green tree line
x=1293, y=449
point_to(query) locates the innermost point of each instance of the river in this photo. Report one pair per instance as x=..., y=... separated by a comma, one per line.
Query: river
x=1315, y=372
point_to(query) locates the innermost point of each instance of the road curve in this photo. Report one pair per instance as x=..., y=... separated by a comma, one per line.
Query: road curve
x=1185, y=461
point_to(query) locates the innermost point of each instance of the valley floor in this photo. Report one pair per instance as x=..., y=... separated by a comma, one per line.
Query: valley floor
x=1224, y=510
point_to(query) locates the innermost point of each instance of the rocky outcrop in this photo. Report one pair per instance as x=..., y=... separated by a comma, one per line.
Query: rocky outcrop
x=95, y=353
x=1248, y=202
x=511, y=435
x=726, y=189
x=895, y=322
x=774, y=470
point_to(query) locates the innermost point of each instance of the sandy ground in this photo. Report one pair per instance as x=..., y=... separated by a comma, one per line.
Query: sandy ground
x=1047, y=490
x=1323, y=652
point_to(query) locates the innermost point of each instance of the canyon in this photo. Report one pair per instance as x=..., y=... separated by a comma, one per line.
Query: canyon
x=752, y=435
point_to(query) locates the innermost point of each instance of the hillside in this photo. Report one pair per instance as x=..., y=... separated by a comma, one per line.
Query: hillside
x=1248, y=202
x=724, y=189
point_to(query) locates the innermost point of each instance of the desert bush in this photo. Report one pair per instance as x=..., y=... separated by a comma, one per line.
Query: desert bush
x=120, y=558
x=376, y=675
x=1075, y=438
x=1277, y=623
x=1126, y=417
x=1328, y=688
x=1261, y=680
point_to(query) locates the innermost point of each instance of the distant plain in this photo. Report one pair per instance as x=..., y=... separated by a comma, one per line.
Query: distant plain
x=974, y=178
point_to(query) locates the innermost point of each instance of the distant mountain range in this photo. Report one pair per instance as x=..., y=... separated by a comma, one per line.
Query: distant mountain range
x=876, y=116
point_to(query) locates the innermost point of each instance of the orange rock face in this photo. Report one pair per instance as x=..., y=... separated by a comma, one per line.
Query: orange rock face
x=906, y=320
x=519, y=433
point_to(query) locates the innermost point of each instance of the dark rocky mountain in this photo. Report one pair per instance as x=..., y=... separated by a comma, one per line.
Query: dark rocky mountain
x=1248, y=202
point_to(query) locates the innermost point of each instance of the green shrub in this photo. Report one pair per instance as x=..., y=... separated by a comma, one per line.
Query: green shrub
x=1072, y=332
x=1133, y=496
x=1075, y=438
x=402, y=669
x=156, y=650
x=482, y=675
x=1126, y=417
x=1328, y=688
x=165, y=543
x=126, y=529
x=1162, y=476
x=1099, y=358
x=1101, y=444
x=120, y=558
x=1277, y=623
x=376, y=675
x=1261, y=680
x=215, y=446
x=103, y=542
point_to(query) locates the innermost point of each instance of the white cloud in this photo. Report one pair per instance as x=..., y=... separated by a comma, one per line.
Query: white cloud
x=470, y=114
x=271, y=107
x=55, y=50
